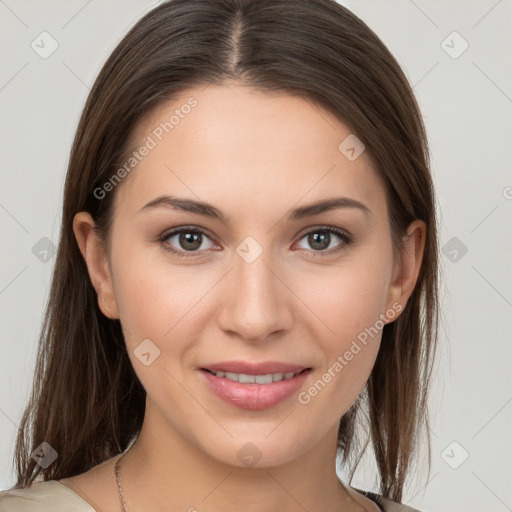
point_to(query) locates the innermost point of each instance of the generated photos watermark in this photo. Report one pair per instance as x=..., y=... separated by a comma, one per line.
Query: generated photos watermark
x=305, y=397
x=151, y=142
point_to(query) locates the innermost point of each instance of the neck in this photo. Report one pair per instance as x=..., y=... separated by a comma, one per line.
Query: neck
x=167, y=470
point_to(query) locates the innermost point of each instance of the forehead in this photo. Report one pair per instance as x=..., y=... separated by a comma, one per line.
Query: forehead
x=240, y=147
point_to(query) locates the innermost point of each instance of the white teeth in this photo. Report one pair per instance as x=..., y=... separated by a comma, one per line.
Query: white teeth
x=243, y=378
x=263, y=379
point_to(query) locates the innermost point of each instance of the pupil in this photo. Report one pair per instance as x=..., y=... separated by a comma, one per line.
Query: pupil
x=190, y=238
x=319, y=241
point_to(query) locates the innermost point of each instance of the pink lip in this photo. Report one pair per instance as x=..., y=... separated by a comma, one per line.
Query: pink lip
x=254, y=396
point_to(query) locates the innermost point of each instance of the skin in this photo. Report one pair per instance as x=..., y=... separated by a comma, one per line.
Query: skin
x=254, y=156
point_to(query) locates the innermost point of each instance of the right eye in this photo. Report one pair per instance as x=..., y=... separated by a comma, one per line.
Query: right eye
x=185, y=240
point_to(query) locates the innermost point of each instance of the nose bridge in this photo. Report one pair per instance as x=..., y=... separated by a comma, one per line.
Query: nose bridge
x=257, y=303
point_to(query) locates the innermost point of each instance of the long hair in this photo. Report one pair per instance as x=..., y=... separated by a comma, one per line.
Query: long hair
x=86, y=402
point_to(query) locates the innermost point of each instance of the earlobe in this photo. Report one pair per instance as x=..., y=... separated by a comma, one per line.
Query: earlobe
x=93, y=251
x=407, y=270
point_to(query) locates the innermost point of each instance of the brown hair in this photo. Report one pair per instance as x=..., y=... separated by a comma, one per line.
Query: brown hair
x=87, y=402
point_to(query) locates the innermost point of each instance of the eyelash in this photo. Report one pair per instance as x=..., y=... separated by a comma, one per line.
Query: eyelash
x=345, y=237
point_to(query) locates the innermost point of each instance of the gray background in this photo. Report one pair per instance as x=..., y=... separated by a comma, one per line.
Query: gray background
x=466, y=99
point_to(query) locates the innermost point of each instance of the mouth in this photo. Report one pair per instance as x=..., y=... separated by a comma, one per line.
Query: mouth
x=254, y=386
x=245, y=378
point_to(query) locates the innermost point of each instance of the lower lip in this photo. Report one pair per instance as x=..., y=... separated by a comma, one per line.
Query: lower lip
x=254, y=396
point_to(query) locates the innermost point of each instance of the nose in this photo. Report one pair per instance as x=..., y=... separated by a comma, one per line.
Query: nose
x=256, y=301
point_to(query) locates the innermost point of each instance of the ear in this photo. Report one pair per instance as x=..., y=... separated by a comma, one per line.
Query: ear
x=407, y=268
x=94, y=253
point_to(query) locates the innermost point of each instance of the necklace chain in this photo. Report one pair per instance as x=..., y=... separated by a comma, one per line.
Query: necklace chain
x=119, y=486
x=121, y=494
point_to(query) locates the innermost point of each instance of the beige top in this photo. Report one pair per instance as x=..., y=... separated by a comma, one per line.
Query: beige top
x=52, y=496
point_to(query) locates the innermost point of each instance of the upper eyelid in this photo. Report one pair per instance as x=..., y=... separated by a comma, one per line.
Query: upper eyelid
x=180, y=229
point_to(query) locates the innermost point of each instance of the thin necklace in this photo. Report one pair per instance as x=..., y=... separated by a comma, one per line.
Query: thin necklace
x=121, y=495
x=119, y=487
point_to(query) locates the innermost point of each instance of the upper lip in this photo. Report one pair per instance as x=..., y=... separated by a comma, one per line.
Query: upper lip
x=247, y=368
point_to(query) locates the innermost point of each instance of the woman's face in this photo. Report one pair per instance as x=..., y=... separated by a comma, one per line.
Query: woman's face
x=256, y=278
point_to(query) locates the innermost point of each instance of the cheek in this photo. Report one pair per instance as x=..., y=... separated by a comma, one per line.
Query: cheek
x=349, y=302
x=151, y=308
x=142, y=288
x=347, y=298
x=159, y=300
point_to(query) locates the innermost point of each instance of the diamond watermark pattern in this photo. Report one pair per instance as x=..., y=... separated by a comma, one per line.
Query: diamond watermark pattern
x=249, y=455
x=454, y=45
x=44, y=455
x=146, y=352
x=44, y=45
x=351, y=147
x=454, y=249
x=454, y=455
x=249, y=249
x=44, y=250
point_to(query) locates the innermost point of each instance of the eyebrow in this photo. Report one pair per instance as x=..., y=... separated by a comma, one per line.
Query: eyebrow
x=208, y=210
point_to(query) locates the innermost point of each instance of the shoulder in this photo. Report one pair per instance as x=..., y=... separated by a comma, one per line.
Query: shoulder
x=386, y=504
x=49, y=496
x=391, y=506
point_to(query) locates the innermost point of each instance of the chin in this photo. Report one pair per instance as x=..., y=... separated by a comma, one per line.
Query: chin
x=257, y=451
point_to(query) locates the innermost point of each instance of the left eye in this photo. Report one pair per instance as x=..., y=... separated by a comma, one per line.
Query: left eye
x=320, y=239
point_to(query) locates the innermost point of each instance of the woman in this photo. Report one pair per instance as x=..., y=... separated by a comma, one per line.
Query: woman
x=246, y=277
